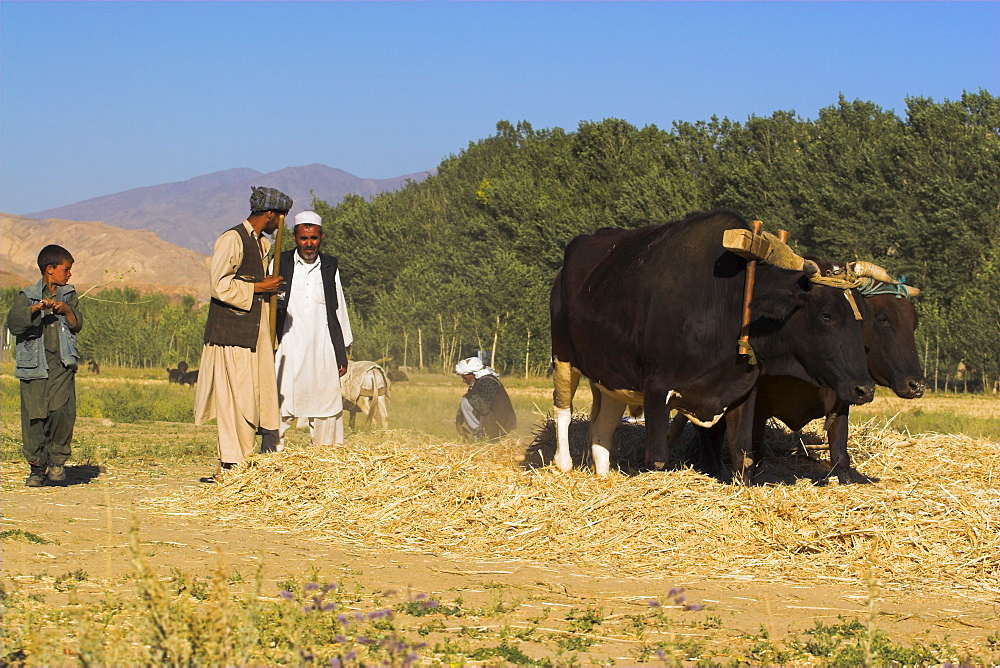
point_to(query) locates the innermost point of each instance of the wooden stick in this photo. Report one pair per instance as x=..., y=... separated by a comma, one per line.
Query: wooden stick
x=276, y=269
x=748, y=297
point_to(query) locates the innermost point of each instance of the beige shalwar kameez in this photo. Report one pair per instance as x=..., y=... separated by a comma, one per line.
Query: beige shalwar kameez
x=235, y=386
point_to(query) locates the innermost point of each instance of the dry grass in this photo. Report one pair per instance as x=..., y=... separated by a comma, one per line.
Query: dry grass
x=929, y=521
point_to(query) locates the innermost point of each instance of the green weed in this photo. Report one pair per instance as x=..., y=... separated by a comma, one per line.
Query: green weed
x=843, y=644
x=8, y=535
x=512, y=655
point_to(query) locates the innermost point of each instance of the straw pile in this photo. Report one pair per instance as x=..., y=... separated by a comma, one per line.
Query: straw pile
x=930, y=520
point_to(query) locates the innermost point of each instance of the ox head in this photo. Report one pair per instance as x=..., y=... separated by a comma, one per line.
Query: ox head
x=821, y=332
x=802, y=328
x=889, y=331
x=815, y=336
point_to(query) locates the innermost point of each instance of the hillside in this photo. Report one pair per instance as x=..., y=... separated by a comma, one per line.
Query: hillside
x=101, y=252
x=193, y=213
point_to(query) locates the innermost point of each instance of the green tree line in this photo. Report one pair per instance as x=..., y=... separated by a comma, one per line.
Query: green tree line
x=444, y=267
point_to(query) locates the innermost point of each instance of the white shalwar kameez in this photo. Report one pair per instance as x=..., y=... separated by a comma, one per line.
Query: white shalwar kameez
x=305, y=364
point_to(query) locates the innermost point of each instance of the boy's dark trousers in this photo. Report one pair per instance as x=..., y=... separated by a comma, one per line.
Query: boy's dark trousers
x=46, y=441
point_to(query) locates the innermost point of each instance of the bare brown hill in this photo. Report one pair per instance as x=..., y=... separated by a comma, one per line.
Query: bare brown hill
x=102, y=252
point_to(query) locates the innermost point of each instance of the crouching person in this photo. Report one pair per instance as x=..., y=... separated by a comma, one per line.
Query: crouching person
x=485, y=411
x=44, y=320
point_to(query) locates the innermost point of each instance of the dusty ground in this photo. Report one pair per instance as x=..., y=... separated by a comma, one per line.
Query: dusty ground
x=87, y=519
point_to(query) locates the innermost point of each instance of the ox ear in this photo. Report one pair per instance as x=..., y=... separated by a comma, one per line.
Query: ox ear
x=777, y=305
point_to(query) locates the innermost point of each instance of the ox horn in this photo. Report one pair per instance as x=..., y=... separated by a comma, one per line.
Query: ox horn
x=872, y=270
x=767, y=248
x=781, y=255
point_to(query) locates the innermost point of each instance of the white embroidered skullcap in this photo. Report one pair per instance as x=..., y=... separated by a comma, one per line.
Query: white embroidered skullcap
x=308, y=218
x=467, y=366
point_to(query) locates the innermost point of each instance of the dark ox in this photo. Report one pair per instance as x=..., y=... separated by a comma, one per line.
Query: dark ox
x=652, y=316
x=893, y=362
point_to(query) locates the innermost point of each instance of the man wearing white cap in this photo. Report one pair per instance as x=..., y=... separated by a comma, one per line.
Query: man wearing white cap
x=485, y=411
x=313, y=332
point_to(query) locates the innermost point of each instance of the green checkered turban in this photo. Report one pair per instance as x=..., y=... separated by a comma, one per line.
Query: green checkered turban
x=269, y=199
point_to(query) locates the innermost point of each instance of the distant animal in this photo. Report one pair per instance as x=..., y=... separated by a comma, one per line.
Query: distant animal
x=398, y=376
x=365, y=389
x=94, y=367
x=893, y=362
x=181, y=375
x=652, y=316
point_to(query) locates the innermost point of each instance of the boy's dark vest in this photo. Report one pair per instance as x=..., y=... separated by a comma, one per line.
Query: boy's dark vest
x=231, y=326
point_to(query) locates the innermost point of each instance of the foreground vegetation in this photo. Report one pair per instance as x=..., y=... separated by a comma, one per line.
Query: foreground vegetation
x=185, y=619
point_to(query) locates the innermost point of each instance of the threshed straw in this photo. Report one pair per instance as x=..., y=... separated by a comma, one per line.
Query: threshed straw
x=929, y=520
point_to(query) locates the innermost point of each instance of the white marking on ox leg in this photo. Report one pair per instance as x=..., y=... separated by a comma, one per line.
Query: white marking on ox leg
x=602, y=459
x=563, y=460
x=603, y=432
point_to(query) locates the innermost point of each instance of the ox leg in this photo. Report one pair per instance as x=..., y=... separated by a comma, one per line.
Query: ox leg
x=836, y=435
x=602, y=430
x=739, y=437
x=658, y=450
x=658, y=430
x=595, y=411
x=710, y=442
x=565, y=380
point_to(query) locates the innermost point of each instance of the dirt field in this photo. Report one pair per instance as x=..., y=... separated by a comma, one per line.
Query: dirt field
x=86, y=523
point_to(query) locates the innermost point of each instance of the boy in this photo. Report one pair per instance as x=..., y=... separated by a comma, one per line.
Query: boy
x=44, y=319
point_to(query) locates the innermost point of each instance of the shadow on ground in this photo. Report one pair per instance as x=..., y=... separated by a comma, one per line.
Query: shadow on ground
x=786, y=457
x=77, y=475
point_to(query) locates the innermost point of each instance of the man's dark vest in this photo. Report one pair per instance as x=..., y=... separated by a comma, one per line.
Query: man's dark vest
x=231, y=326
x=328, y=270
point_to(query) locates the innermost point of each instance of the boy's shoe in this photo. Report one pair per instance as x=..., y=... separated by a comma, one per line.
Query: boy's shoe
x=57, y=473
x=36, y=478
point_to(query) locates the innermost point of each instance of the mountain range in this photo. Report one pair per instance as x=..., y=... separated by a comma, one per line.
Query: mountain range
x=192, y=213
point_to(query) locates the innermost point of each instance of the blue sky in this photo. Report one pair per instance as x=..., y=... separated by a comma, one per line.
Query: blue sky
x=101, y=97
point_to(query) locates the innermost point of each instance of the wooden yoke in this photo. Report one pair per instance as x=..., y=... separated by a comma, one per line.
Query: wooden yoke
x=744, y=345
x=276, y=271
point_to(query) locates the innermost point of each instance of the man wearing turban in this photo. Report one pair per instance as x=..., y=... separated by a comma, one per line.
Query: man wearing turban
x=485, y=411
x=236, y=383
